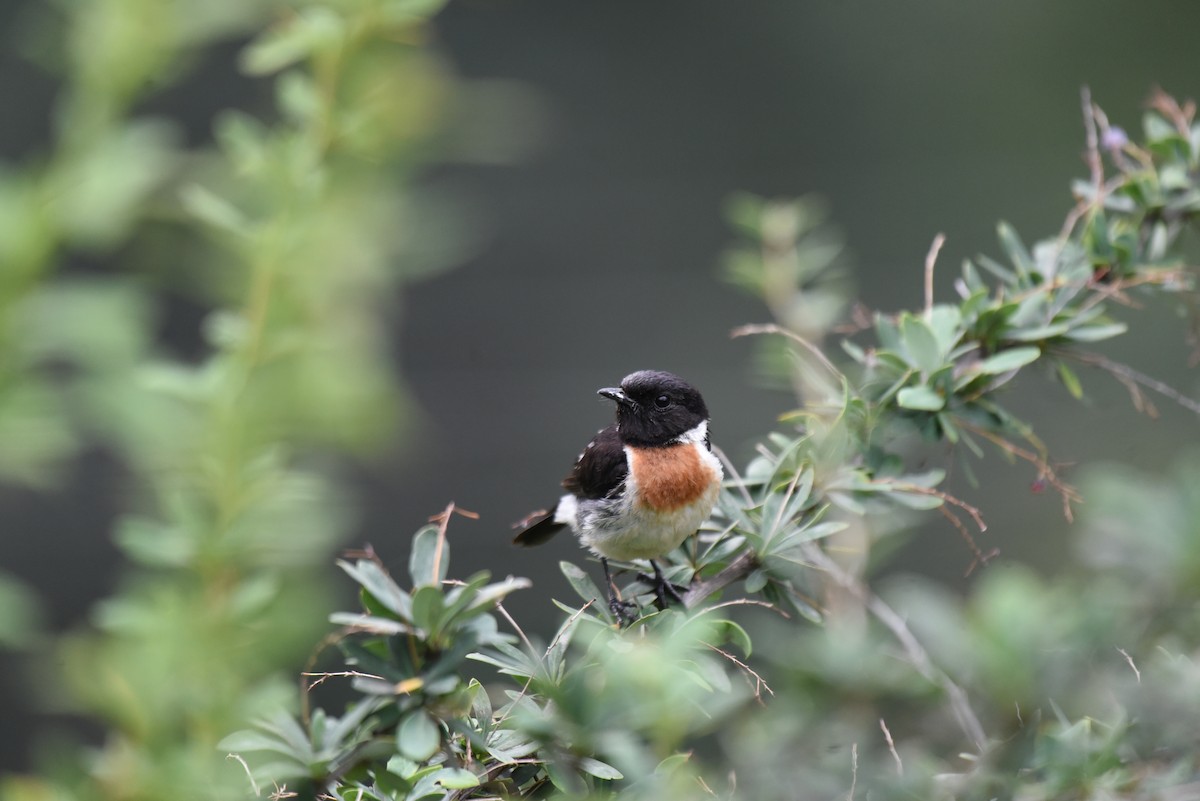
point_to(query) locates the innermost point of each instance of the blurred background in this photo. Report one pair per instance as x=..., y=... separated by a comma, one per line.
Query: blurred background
x=590, y=198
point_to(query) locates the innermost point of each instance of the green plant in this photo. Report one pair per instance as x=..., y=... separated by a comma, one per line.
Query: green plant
x=291, y=234
x=1028, y=689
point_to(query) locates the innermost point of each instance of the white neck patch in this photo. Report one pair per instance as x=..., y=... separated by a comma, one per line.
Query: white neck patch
x=697, y=434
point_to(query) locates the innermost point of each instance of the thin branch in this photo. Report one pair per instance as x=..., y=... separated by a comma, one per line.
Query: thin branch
x=759, y=682
x=930, y=263
x=443, y=520
x=1134, y=667
x=1125, y=373
x=772, y=328
x=321, y=677
x=946, y=497
x=738, y=569
x=917, y=655
x=853, y=770
x=245, y=767
x=1094, y=162
x=1045, y=472
x=516, y=627
x=891, y=744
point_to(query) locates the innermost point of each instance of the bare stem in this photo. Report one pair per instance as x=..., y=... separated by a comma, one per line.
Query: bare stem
x=917, y=655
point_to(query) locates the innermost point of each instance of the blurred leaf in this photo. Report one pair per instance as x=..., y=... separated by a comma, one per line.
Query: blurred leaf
x=581, y=582
x=313, y=30
x=601, y=770
x=429, y=561
x=920, y=344
x=920, y=398
x=418, y=737
x=1010, y=359
x=20, y=616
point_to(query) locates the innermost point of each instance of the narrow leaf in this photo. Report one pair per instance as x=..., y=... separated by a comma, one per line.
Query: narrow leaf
x=1010, y=359
x=921, y=399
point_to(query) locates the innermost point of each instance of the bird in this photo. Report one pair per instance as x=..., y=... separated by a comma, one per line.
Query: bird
x=642, y=485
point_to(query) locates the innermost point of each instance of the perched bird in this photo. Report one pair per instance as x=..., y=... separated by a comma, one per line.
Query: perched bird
x=641, y=486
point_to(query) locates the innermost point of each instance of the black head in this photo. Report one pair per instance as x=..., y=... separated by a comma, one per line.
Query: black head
x=655, y=408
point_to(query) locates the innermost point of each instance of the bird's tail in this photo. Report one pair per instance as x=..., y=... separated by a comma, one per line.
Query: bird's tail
x=536, y=528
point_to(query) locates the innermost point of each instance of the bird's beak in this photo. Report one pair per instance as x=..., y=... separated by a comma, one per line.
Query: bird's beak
x=615, y=393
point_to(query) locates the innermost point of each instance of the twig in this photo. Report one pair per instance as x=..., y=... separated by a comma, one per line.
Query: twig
x=1134, y=667
x=1094, y=162
x=891, y=744
x=321, y=677
x=1045, y=472
x=917, y=655
x=946, y=497
x=772, y=328
x=282, y=792
x=1125, y=373
x=520, y=632
x=245, y=767
x=853, y=770
x=930, y=262
x=739, y=568
x=443, y=520
x=759, y=682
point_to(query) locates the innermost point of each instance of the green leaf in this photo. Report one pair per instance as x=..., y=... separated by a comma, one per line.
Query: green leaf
x=428, y=603
x=1037, y=334
x=601, y=770
x=735, y=634
x=430, y=559
x=946, y=323
x=1010, y=359
x=756, y=581
x=920, y=398
x=456, y=779
x=375, y=580
x=418, y=736
x=581, y=582
x=920, y=344
x=1070, y=381
x=298, y=37
x=212, y=209
x=1017, y=253
x=1095, y=333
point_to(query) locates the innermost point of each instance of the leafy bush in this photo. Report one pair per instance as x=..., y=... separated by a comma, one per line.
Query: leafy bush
x=1081, y=687
x=789, y=673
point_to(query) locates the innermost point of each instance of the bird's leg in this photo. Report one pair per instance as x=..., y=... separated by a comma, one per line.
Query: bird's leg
x=620, y=609
x=666, y=592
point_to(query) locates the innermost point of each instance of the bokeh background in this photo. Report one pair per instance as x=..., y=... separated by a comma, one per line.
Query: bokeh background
x=596, y=243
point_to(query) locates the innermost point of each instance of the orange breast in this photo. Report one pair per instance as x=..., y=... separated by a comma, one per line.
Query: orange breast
x=669, y=478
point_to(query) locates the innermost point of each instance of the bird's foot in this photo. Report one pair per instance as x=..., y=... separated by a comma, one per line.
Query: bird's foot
x=624, y=611
x=665, y=592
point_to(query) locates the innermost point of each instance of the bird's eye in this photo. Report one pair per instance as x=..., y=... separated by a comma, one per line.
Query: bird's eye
x=662, y=401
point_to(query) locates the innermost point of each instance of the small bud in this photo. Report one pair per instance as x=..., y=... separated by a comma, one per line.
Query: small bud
x=1114, y=138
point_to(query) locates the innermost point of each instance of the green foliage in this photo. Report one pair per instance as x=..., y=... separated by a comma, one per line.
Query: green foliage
x=293, y=234
x=809, y=681
x=1084, y=686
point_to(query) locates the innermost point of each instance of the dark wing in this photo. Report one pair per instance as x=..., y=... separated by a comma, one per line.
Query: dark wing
x=536, y=528
x=601, y=468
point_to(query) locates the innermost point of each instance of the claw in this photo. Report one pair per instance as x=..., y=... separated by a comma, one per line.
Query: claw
x=622, y=610
x=665, y=592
